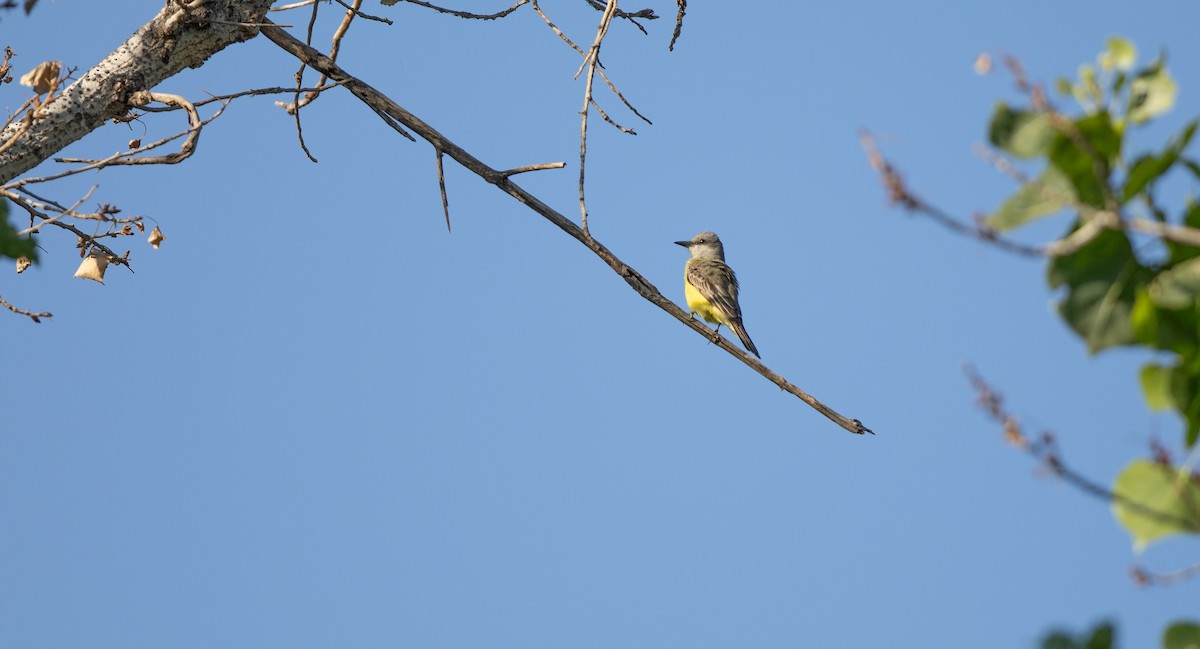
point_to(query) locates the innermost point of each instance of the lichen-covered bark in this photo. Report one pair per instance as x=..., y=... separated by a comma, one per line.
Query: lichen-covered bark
x=182, y=35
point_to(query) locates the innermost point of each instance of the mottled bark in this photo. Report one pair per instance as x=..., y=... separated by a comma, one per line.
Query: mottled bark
x=182, y=35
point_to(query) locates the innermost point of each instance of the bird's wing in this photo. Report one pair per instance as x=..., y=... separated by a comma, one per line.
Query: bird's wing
x=717, y=283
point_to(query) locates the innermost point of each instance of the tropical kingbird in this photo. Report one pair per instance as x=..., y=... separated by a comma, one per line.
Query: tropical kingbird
x=711, y=287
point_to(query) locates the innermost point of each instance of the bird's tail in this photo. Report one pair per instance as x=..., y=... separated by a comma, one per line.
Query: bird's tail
x=738, y=329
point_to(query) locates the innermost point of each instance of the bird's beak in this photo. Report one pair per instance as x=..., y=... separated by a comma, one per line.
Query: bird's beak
x=685, y=244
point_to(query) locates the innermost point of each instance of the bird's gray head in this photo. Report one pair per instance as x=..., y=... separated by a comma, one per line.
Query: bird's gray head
x=706, y=245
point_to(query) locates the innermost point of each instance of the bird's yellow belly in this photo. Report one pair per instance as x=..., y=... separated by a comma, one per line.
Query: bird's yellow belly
x=701, y=306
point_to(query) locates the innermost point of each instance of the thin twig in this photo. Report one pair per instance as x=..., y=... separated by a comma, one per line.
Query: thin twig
x=613, y=87
x=553, y=28
x=608, y=119
x=364, y=16
x=1146, y=578
x=647, y=14
x=36, y=317
x=87, y=239
x=591, y=61
x=1046, y=451
x=70, y=211
x=382, y=103
x=294, y=5
x=296, y=105
x=466, y=14
x=536, y=167
x=442, y=187
x=100, y=164
x=682, y=4
x=236, y=95
x=195, y=124
x=600, y=70
x=899, y=194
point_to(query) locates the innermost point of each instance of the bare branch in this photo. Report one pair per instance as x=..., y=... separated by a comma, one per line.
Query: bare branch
x=70, y=211
x=608, y=119
x=36, y=317
x=364, y=16
x=236, y=95
x=84, y=238
x=537, y=167
x=899, y=194
x=442, y=187
x=185, y=151
x=1144, y=577
x=461, y=14
x=555, y=29
x=383, y=104
x=172, y=41
x=294, y=5
x=1046, y=451
x=682, y=4
x=591, y=61
x=613, y=87
x=647, y=14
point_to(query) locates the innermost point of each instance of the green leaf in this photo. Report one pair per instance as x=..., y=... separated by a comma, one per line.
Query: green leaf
x=1088, y=168
x=1152, y=93
x=1181, y=252
x=1048, y=194
x=1022, y=133
x=1148, y=168
x=12, y=245
x=1166, y=329
x=1193, y=167
x=1177, y=287
x=1102, y=279
x=1170, y=492
x=1120, y=54
x=1182, y=635
x=1185, y=395
x=1156, y=386
x=1101, y=637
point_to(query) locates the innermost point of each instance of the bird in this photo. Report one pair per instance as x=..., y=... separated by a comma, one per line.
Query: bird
x=710, y=286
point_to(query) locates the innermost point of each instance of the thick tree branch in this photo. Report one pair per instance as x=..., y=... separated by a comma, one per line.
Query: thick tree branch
x=182, y=35
x=381, y=104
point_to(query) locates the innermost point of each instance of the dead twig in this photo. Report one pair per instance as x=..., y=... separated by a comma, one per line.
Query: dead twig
x=899, y=194
x=461, y=14
x=70, y=211
x=442, y=187
x=536, y=167
x=1045, y=449
x=682, y=4
x=195, y=124
x=36, y=317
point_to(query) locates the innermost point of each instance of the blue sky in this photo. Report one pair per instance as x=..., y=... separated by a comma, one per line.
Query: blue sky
x=316, y=419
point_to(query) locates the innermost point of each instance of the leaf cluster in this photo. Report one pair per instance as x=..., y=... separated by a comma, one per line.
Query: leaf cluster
x=1116, y=291
x=1127, y=266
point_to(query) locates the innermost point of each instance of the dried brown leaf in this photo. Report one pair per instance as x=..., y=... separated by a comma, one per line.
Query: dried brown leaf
x=43, y=77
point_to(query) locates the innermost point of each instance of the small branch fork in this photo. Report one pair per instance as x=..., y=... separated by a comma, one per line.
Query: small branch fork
x=591, y=64
x=1045, y=450
x=385, y=106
